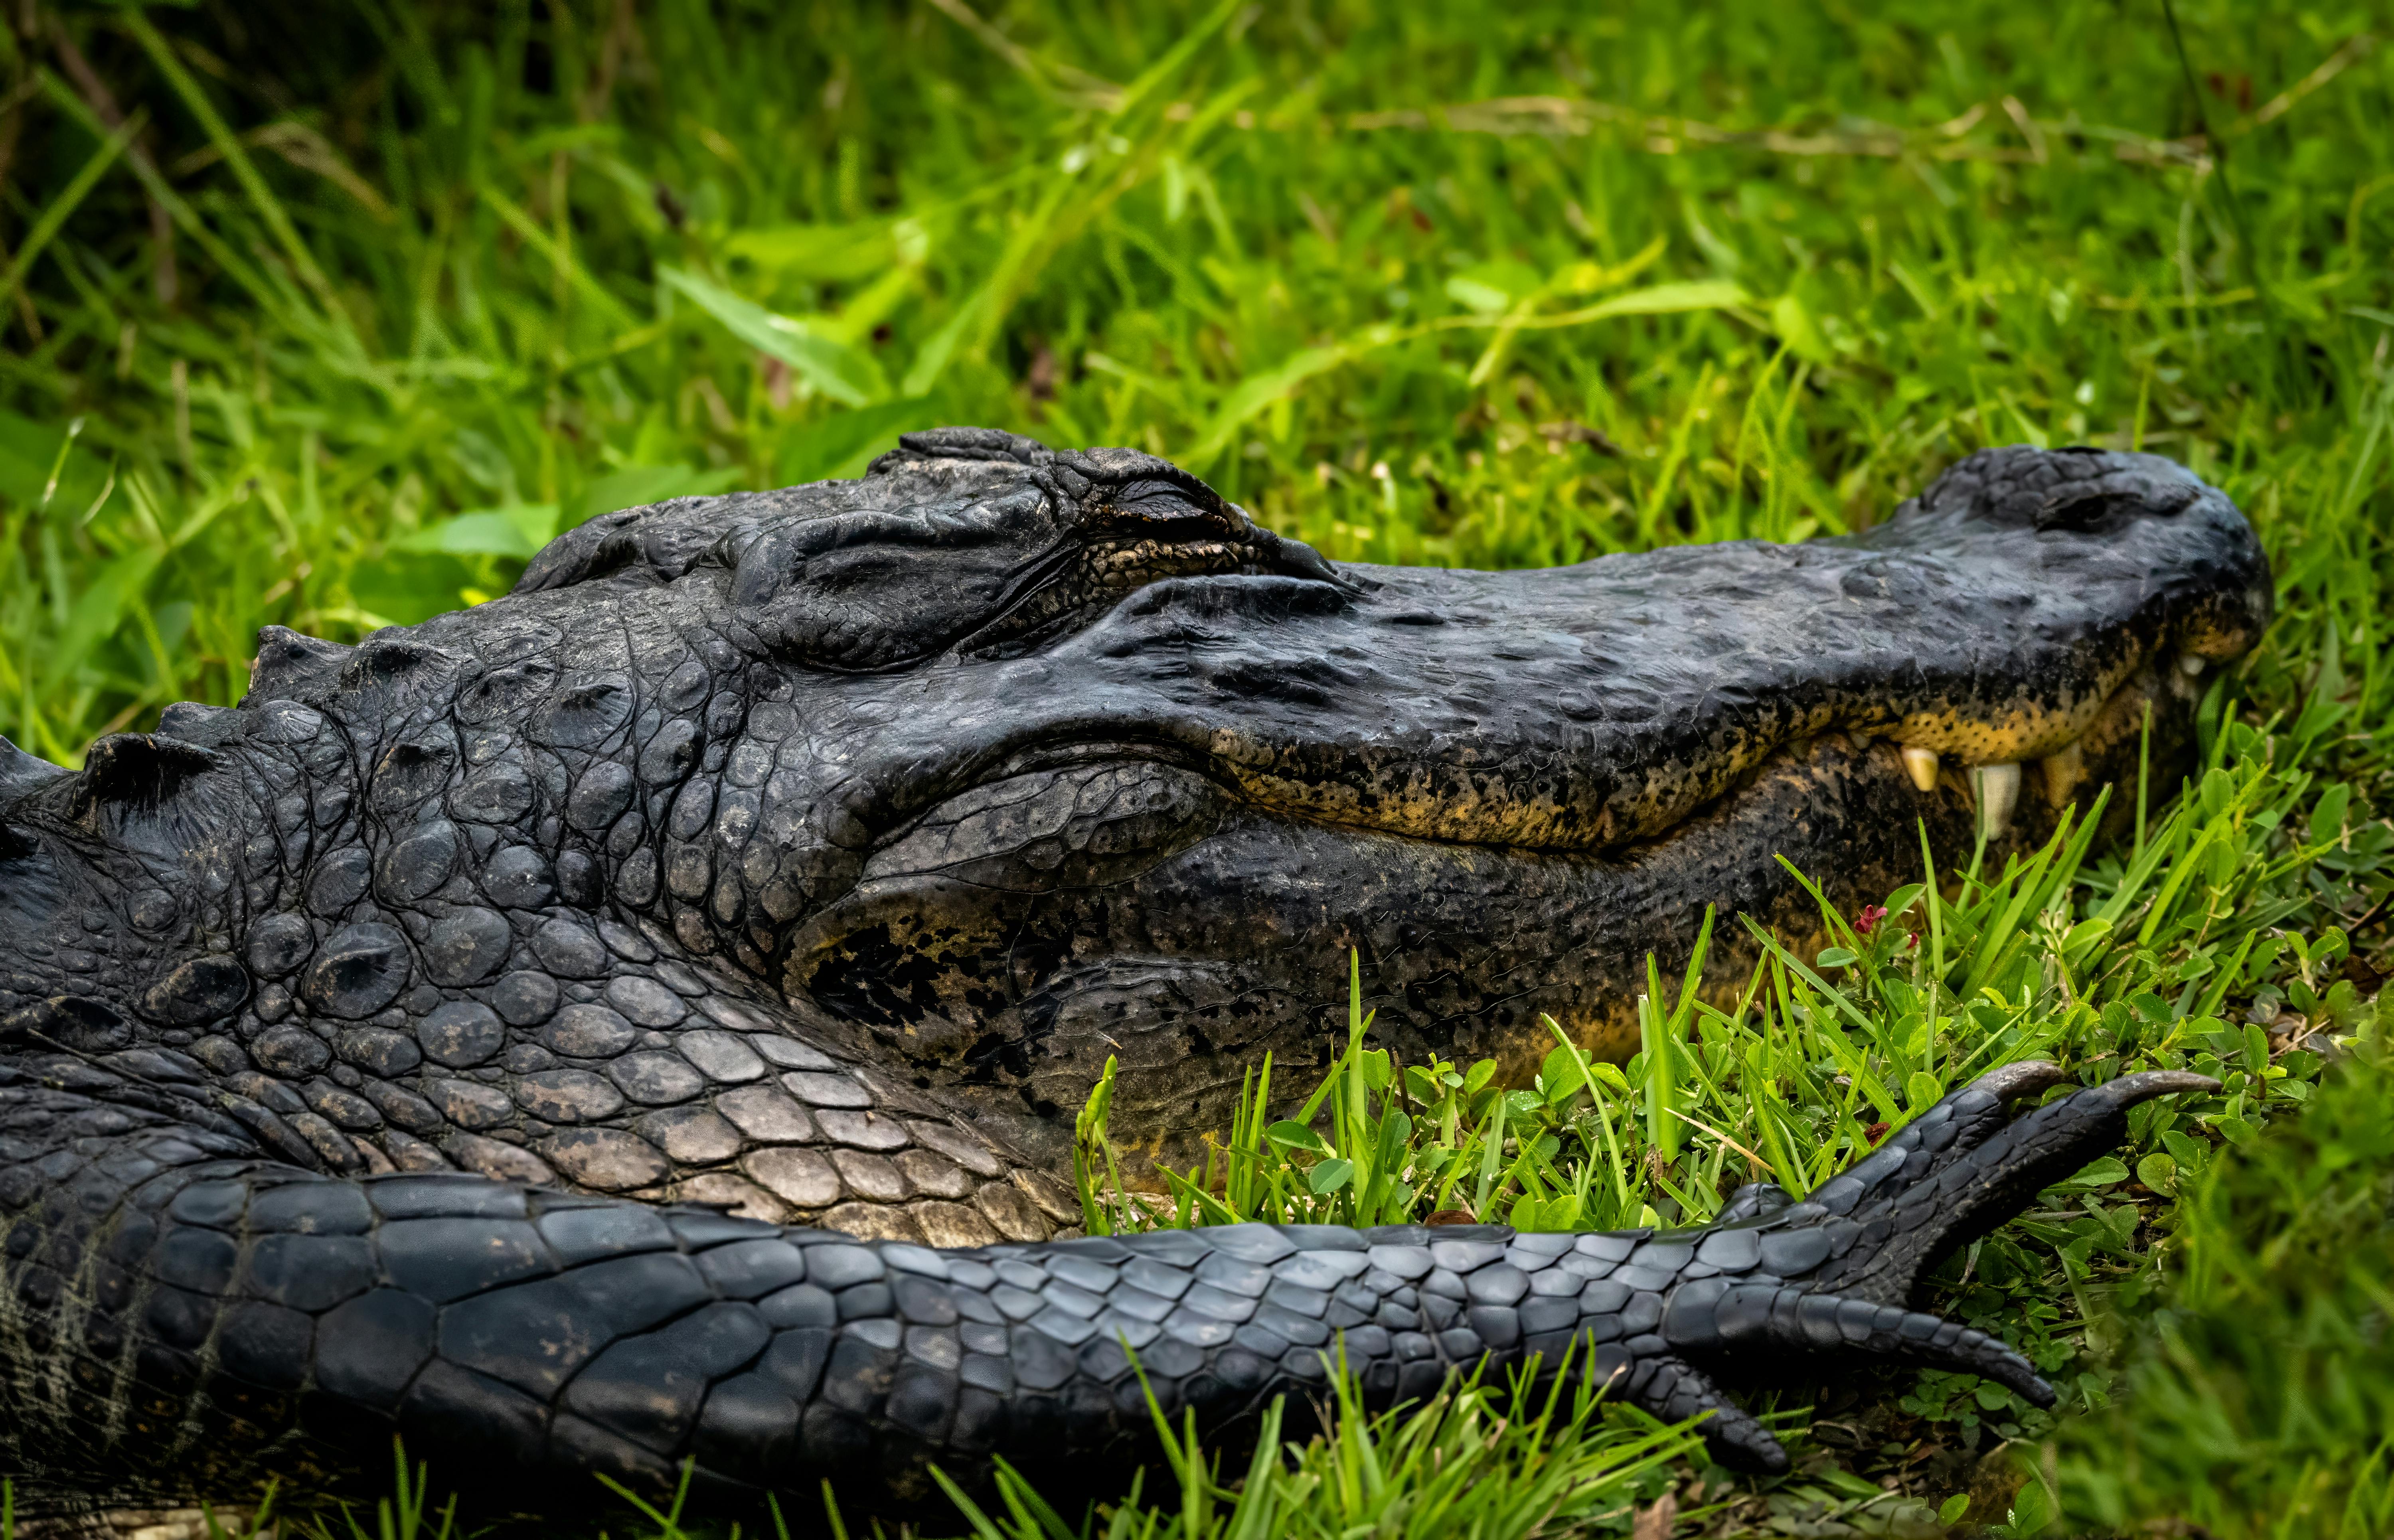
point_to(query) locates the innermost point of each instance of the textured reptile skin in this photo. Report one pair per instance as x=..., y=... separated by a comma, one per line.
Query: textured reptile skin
x=189, y=1310
x=804, y=855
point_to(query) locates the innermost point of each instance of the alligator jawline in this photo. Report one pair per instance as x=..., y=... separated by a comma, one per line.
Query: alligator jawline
x=2055, y=773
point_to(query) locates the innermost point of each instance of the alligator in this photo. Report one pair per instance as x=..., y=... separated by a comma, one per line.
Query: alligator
x=634, y=1024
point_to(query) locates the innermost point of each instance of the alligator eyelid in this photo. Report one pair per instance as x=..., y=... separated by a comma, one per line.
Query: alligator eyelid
x=1023, y=586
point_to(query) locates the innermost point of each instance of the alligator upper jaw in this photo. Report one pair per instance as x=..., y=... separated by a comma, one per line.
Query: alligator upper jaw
x=1592, y=708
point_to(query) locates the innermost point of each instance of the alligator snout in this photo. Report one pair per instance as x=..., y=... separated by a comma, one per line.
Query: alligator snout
x=1592, y=708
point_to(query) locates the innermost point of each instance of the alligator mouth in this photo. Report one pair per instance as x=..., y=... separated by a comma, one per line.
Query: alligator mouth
x=2038, y=748
x=2040, y=755
x=1136, y=901
x=1505, y=791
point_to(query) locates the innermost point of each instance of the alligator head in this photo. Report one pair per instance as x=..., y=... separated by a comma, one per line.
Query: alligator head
x=806, y=853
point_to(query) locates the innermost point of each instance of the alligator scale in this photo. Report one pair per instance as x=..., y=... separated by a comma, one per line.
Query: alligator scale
x=639, y=1019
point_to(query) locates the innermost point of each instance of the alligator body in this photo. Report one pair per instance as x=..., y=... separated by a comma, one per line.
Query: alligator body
x=641, y=1018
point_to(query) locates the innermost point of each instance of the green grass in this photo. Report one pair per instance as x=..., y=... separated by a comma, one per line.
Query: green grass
x=2243, y=1383
x=1471, y=1461
x=1415, y=285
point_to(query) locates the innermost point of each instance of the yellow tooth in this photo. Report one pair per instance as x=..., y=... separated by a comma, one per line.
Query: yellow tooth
x=1922, y=764
x=1997, y=787
x=2191, y=662
x=2062, y=770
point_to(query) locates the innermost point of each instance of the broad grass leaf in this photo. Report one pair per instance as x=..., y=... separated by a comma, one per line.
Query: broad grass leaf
x=2105, y=1172
x=1490, y=287
x=1291, y=1135
x=838, y=254
x=1794, y=322
x=1561, y=1074
x=519, y=530
x=1329, y=1177
x=28, y=449
x=99, y=608
x=847, y=375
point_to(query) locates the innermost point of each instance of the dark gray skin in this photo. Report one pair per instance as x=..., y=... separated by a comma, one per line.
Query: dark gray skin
x=363, y=1050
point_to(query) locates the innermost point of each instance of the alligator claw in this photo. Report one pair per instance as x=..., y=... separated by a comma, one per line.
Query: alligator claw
x=1675, y=1391
x=1962, y=1168
x=1752, y=1320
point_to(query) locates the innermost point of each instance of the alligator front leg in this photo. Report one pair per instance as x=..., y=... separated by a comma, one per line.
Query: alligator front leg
x=182, y=1318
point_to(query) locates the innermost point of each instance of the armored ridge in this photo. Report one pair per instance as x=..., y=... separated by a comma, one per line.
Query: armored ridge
x=803, y=854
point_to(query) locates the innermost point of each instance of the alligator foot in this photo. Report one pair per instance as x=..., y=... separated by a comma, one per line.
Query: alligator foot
x=1831, y=1274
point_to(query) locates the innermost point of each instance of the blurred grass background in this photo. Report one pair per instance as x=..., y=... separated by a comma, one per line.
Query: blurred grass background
x=328, y=315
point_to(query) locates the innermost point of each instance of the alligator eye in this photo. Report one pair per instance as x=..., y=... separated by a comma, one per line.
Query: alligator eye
x=993, y=574
x=1160, y=540
x=1158, y=505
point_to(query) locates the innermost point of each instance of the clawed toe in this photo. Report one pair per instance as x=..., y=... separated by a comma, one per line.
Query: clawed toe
x=1962, y=1169
x=1675, y=1390
x=2027, y=1078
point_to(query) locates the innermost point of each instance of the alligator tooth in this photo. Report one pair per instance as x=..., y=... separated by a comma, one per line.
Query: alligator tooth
x=1998, y=789
x=1922, y=763
x=2062, y=770
x=2191, y=663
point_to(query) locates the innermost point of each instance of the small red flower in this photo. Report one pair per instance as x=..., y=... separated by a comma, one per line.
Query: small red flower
x=1868, y=920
